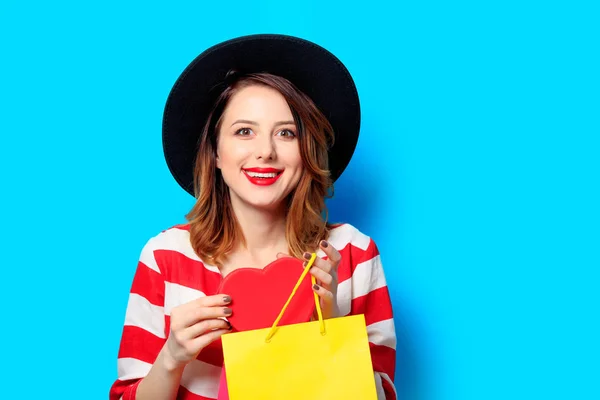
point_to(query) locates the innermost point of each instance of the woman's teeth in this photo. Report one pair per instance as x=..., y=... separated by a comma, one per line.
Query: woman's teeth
x=262, y=175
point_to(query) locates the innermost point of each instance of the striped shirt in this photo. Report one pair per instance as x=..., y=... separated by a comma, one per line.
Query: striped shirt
x=169, y=273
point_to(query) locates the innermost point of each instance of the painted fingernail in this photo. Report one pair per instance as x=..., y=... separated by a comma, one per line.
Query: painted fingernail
x=227, y=299
x=227, y=311
x=324, y=243
x=316, y=287
x=305, y=263
x=229, y=324
x=307, y=256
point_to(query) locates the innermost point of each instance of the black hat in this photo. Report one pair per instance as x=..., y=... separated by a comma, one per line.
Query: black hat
x=310, y=67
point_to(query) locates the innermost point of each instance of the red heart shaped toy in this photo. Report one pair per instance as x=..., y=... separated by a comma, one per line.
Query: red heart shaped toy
x=258, y=295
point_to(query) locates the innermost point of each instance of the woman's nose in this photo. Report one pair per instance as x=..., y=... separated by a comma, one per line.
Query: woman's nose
x=265, y=148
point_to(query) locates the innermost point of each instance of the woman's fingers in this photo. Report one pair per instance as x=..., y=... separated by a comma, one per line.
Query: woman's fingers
x=328, y=302
x=210, y=301
x=324, y=294
x=204, y=327
x=196, y=324
x=323, y=277
x=333, y=255
x=332, y=261
x=208, y=307
x=207, y=313
x=209, y=337
x=324, y=265
x=324, y=270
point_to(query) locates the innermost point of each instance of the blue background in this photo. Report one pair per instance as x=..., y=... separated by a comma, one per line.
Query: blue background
x=477, y=173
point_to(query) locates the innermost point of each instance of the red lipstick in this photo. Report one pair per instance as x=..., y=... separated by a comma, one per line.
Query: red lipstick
x=262, y=176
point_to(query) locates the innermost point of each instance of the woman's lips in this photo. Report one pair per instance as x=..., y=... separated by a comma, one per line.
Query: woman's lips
x=262, y=176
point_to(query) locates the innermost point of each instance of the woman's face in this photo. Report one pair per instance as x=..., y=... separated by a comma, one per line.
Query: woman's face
x=257, y=148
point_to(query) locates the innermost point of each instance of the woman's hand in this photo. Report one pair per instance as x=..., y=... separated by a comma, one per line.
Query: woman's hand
x=194, y=325
x=325, y=272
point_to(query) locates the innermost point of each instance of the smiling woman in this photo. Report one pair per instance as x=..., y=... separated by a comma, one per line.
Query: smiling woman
x=258, y=138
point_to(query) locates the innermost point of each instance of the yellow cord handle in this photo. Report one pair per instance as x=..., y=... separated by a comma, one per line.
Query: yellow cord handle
x=316, y=296
x=318, y=303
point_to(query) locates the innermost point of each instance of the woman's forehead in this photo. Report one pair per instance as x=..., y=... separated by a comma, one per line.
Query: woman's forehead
x=258, y=104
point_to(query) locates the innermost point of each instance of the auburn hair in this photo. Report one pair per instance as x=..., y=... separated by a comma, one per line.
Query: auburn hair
x=214, y=230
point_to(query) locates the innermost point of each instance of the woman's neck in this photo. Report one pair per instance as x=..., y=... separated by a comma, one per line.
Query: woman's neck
x=263, y=230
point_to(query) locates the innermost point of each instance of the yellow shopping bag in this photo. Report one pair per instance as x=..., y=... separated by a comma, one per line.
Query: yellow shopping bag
x=325, y=359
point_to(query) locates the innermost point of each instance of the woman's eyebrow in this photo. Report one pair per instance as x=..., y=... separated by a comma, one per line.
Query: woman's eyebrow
x=246, y=121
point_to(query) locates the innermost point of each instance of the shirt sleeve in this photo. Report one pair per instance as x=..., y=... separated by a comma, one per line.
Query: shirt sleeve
x=143, y=334
x=370, y=296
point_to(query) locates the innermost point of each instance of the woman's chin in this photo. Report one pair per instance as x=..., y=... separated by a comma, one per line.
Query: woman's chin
x=270, y=204
x=269, y=200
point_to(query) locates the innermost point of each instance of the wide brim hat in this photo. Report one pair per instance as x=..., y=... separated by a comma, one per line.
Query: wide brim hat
x=311, y=68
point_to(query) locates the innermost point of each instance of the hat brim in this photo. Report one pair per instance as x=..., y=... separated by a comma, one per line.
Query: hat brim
x=310, y=67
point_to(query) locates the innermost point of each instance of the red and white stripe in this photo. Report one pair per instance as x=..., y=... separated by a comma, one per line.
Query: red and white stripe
x=169, y=274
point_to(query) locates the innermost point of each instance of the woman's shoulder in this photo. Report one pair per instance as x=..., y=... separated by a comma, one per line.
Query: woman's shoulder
x=348, y=238
x=174, y=238
x=172, y=235
x=360, y=260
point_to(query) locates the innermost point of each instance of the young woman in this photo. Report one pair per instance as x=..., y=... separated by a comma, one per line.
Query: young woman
x=257, y=129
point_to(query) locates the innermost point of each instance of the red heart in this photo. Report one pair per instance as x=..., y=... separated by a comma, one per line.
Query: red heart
x=258, y=295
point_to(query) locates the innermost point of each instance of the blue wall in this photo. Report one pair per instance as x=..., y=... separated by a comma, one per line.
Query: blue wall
x=477, y=173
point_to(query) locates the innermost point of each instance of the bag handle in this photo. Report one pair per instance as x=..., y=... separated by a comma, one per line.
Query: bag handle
x=316, y=297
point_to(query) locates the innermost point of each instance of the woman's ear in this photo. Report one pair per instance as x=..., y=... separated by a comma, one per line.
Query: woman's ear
x=217, y=158
x=216, y=153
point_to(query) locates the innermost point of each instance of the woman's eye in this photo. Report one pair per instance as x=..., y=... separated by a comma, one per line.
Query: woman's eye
x=287, y=133
x=243, y=132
